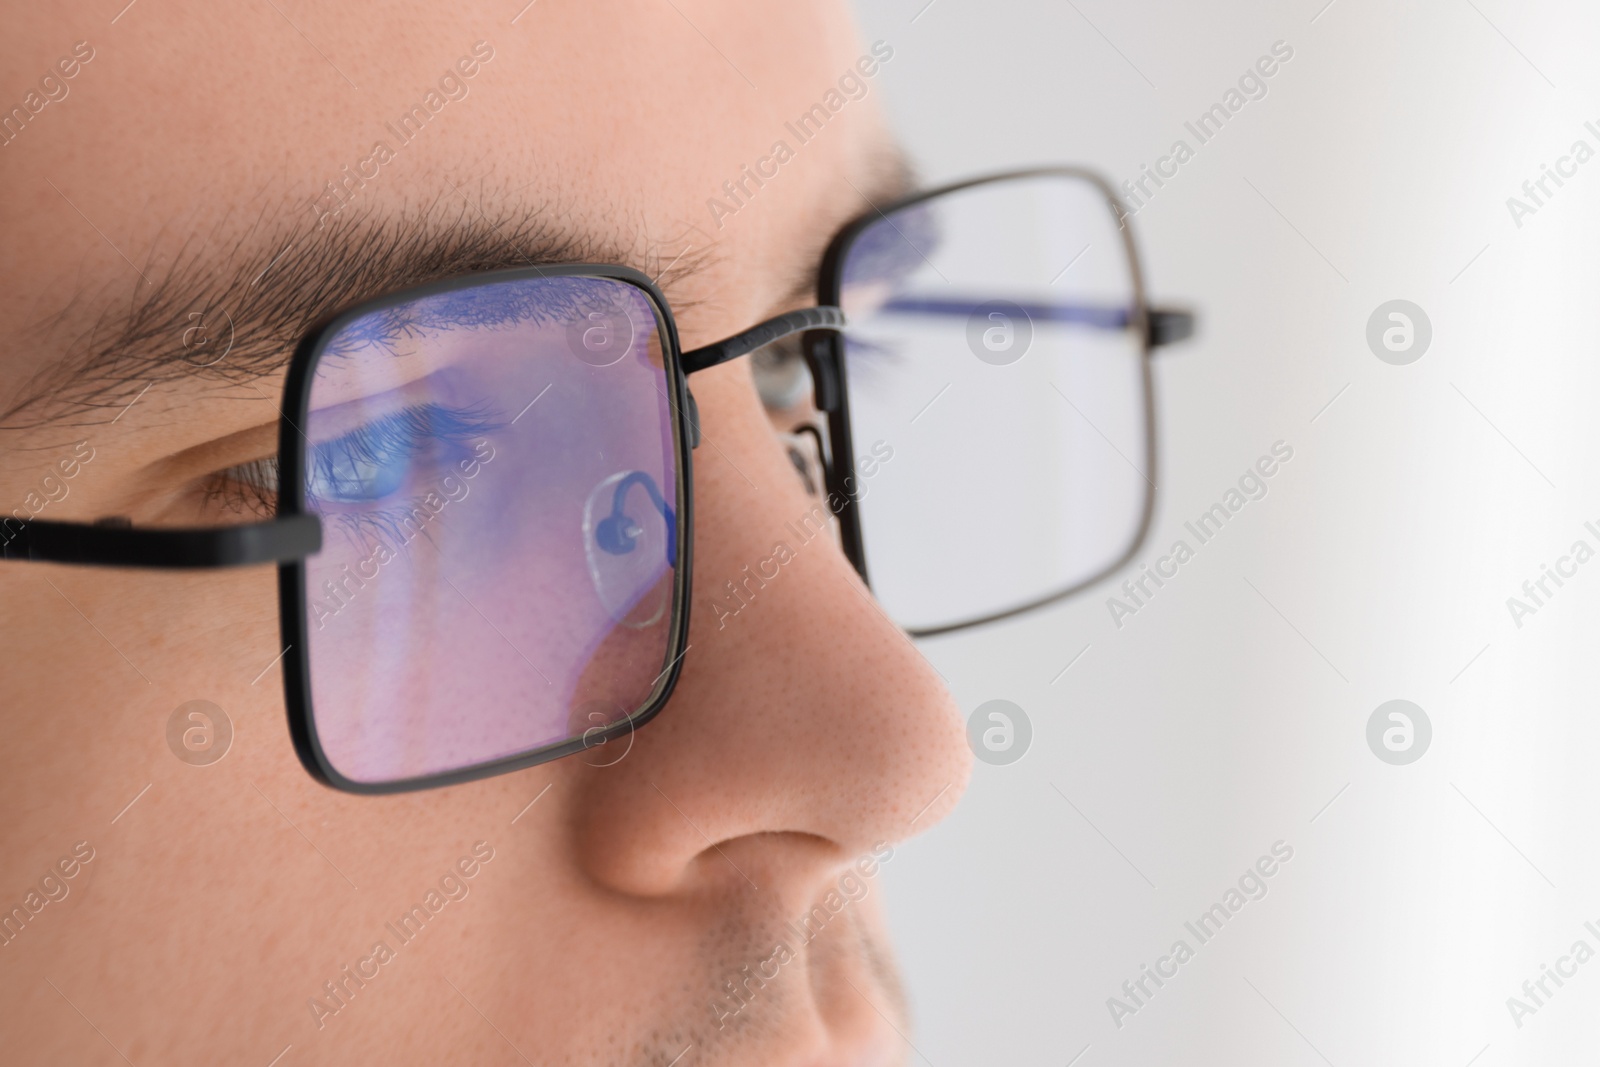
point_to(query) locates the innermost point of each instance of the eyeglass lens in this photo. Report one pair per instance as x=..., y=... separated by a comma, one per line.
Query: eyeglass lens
x=497, y=478
x=994, y=348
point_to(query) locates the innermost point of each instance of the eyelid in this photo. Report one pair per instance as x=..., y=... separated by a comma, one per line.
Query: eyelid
x=430, y=420
x=340, y=420
x=203, y=461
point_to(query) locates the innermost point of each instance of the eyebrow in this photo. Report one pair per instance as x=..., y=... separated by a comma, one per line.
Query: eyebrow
x=272, y=284
x=266, y=289
x=890, y=177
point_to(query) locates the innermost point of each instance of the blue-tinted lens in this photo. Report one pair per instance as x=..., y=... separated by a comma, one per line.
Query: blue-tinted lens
x=496, y=471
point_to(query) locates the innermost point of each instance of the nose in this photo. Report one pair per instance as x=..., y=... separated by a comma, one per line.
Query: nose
x=804, y=724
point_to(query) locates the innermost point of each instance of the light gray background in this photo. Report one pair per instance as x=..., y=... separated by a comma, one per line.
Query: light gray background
x=1228, y=714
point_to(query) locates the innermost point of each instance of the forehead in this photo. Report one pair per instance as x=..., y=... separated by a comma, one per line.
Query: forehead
x=619, y=120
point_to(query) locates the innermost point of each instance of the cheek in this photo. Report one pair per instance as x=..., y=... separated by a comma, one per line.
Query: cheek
x=157, y=641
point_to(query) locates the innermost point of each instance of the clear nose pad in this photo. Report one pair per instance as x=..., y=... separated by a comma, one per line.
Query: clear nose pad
x=630, y=538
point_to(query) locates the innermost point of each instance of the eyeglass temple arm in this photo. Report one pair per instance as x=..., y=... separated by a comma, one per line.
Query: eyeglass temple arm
x=761, y=335
x=114, y=543
x=1164, y=326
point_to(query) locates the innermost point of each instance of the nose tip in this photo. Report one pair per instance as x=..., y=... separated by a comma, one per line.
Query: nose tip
x=804, y=721
x=785, y=755
x=922, y=763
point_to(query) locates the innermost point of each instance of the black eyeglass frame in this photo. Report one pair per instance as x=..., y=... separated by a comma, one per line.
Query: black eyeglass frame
x=292, y=581
x=295, y=533
x=825, y=353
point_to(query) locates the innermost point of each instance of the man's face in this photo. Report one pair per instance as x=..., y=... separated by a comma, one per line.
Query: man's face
x=706, y=892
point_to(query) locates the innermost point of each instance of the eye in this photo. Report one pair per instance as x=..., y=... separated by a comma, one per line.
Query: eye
x=803, y=454
x=346, y=473
x=364, y=467
x=376, y=462
x=781, y=375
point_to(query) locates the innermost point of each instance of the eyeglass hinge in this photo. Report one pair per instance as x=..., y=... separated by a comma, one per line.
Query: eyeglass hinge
x=824, y=381
x=1168, y=326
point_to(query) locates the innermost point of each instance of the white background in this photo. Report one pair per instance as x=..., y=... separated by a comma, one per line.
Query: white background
x=1223, y=717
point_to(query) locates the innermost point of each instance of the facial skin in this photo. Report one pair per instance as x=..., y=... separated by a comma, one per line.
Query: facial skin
x=802, y=735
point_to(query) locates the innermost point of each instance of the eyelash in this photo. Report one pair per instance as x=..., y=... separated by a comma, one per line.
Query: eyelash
x=400, y=438
x=250, y=488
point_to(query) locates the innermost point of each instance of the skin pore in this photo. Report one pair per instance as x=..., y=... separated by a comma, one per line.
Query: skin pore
x=605, y=923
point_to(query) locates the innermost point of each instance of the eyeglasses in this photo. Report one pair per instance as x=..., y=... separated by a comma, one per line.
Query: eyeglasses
x=483, y=497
